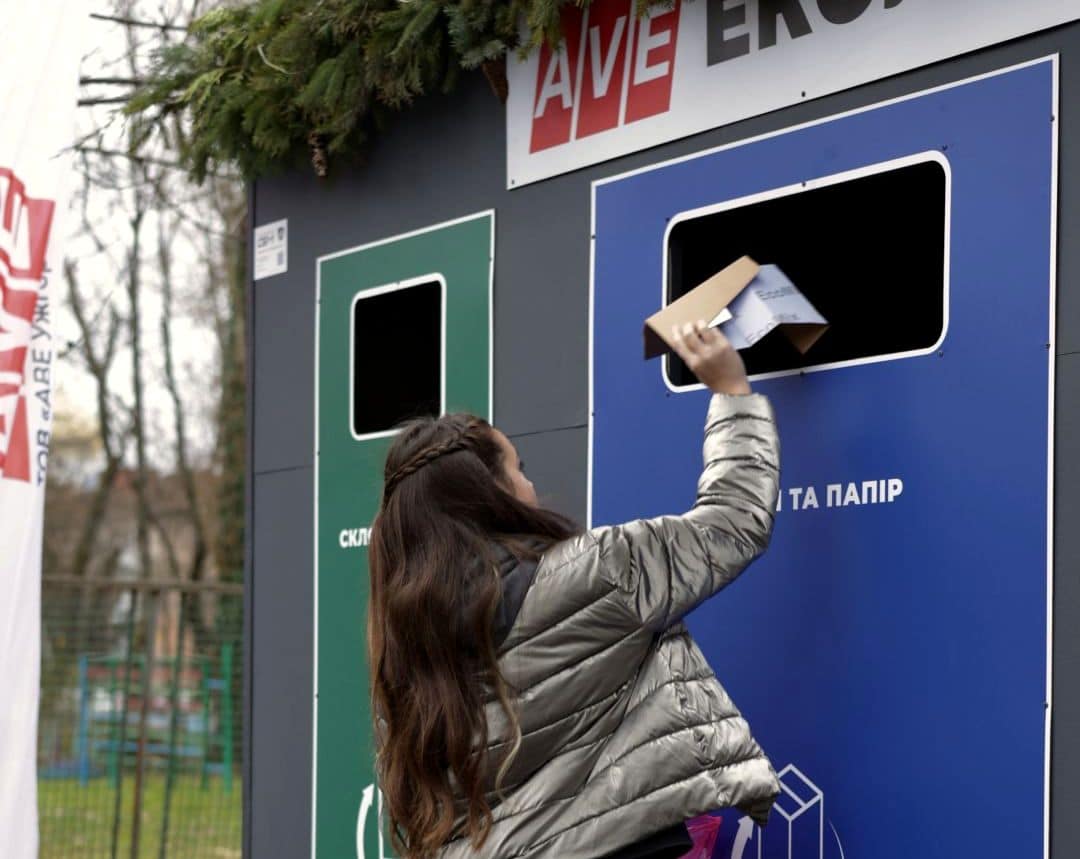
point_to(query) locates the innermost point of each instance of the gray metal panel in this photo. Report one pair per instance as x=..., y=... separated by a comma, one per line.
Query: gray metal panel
x=281, y=625
x=546, y=456
x=446, y=158
x=283, y=397
x=541, y=306
x=1068, y=307
x=1065, y=773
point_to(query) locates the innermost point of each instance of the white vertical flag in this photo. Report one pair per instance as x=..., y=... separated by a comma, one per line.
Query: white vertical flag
x=38, y=90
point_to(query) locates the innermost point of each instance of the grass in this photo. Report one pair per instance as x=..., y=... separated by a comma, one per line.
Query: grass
x=76, y=822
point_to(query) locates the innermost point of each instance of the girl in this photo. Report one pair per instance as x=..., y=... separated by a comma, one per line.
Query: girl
x=536, y=694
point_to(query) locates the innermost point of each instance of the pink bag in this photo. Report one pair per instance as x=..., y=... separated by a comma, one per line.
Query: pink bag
x=704, y=831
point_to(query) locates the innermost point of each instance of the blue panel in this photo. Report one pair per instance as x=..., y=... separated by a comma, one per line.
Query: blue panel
x=894, y=654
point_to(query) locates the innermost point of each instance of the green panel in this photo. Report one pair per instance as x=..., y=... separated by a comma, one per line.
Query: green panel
x=348, y=474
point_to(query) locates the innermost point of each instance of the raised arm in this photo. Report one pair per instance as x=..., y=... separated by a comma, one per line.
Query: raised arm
x=668, y=565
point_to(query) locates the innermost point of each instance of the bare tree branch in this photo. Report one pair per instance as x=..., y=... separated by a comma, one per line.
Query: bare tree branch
x=88, y=81
x=91, y=102
x=99, y=365
x=118, y=153
x=165, y=238
x=134, y=22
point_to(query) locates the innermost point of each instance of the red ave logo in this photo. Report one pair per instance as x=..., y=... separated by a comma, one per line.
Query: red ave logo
x=24, y=237
x=613, y=68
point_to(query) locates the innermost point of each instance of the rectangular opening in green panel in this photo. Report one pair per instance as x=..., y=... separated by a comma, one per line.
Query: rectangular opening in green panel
x=398, y=355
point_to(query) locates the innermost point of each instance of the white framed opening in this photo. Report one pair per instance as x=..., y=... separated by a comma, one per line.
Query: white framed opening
x=397, y=355
x=868, y=247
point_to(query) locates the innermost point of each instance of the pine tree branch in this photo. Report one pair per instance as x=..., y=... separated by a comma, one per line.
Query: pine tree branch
x=261, y=83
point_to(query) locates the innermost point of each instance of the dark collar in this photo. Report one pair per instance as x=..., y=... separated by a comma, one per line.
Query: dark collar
x=517, y=576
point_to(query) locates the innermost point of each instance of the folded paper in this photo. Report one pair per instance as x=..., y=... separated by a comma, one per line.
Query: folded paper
x=747, y=301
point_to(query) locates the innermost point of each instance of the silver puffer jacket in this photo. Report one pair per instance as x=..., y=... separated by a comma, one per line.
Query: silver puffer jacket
x=626, y=729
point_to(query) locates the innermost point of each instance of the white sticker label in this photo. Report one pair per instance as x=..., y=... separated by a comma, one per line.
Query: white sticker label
x=271, y=249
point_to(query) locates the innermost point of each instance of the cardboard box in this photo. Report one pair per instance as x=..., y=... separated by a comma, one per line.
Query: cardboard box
x=747, y=301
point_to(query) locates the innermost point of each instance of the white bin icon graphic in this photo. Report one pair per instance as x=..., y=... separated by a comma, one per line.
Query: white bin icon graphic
x=797, y=827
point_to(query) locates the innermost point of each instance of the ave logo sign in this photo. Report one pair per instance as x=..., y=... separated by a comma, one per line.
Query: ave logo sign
x=621, y=82
x=613, y=69
x=25, y=227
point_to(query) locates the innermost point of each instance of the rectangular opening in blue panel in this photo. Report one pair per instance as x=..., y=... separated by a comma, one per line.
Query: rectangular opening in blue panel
x=868, y=251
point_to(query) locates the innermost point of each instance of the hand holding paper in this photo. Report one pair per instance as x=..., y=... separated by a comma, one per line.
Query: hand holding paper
x=709, y=355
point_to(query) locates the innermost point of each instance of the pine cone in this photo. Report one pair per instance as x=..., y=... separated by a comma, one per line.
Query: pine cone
x=319, y=159
x=495, y=72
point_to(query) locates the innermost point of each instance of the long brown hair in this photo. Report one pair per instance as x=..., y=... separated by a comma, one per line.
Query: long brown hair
x=435, y=589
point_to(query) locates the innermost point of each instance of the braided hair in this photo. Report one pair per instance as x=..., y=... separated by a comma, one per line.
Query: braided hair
x=464, y=437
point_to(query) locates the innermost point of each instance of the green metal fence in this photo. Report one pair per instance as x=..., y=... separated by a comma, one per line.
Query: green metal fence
x=140, y=729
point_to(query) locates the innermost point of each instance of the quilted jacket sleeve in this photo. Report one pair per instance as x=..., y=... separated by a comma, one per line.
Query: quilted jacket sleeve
x=667, y=566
